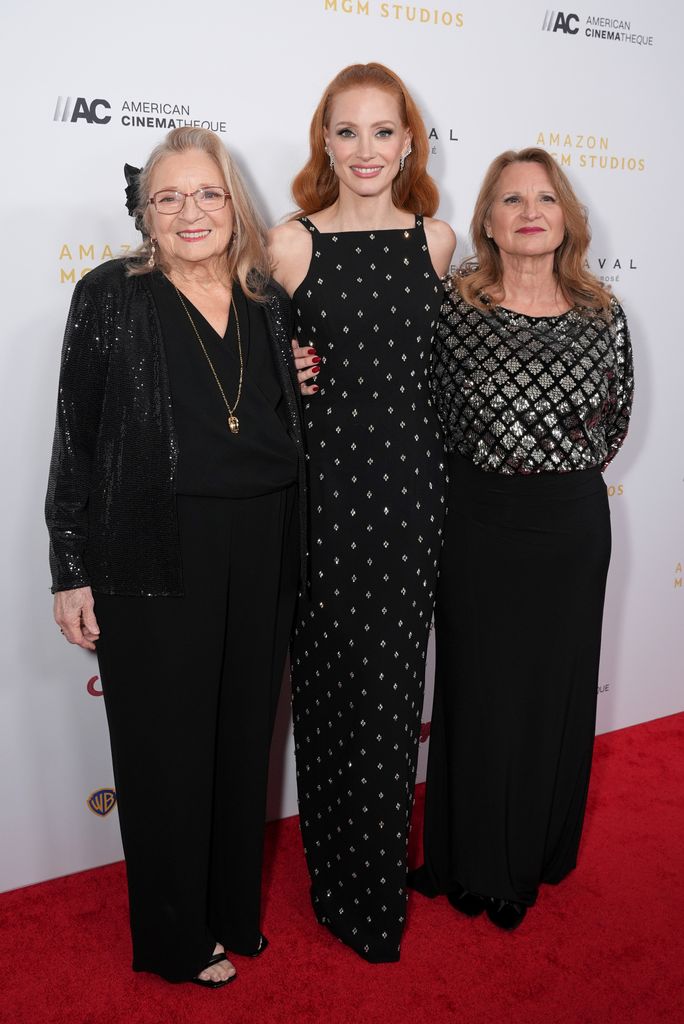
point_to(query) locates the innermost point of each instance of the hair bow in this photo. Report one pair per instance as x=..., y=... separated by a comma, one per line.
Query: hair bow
x=132, y=199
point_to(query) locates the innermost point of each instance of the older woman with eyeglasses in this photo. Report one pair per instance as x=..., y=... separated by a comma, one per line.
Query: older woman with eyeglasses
x=175, y=531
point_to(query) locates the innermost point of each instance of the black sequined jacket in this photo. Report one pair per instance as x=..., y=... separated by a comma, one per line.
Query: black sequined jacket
x=110, y=507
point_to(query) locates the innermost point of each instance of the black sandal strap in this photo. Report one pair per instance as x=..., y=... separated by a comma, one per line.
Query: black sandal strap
x=217, y=958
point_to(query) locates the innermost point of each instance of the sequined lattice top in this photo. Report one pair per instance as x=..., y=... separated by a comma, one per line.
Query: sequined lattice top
x=523, y=394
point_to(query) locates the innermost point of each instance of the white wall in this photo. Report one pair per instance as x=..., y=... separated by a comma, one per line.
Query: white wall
x=488, y=76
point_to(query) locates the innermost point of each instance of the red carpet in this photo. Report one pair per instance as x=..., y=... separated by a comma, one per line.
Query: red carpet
x=605, y=946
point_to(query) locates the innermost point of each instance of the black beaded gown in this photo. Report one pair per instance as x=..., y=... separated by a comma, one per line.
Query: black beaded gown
x=369, y=304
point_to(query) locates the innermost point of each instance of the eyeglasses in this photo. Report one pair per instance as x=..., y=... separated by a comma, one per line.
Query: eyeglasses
x=208, y=199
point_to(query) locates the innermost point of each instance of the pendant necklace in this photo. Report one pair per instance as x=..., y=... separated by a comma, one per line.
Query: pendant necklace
x=233, y=421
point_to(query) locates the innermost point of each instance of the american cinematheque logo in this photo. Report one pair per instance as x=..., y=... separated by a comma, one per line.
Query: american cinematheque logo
x=594, y=26
x=131, y=113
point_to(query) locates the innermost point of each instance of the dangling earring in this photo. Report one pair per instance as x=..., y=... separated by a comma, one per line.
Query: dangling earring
x=403, y=159
x=331, y=158
x=150, y=262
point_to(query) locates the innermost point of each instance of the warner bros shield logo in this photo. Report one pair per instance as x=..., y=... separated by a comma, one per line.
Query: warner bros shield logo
x=102, y=801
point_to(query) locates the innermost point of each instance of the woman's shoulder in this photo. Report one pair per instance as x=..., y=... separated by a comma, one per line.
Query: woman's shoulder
x=616, y=309
x=287, y=234
x=440, y=231
x=289, y=247
x=111, y=276
x=454, y=307
x=441, y=242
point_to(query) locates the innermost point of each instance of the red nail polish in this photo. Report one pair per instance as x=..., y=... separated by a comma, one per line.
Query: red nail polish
x=311, y=351
x=315, y=369
x=315, y=387
x=316, y=359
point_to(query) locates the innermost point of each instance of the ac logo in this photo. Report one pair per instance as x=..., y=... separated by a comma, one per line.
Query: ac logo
x=70, y=109
x=101, y=802
x=557, y=21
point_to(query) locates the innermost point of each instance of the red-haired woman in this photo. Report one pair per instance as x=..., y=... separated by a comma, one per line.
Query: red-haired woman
x=533, y=384
x=363, y=265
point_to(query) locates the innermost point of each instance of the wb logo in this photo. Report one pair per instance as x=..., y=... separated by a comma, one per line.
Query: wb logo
x=78, y=109
x=557, y=21
x=101, y=801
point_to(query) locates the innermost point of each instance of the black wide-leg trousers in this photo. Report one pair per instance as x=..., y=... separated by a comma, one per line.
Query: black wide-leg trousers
x=518, y=639
x=191, y=686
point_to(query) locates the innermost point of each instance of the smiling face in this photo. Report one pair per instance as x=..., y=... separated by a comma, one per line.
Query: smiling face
x=193, y=235
x=367, y=138
x=525, y=218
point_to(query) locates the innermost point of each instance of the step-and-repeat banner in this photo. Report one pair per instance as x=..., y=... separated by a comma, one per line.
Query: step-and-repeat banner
x=88, y=87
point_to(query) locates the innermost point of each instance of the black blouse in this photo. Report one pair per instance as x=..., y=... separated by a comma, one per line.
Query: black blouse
x=522, y=394
x=110, y=505
x=212, y=461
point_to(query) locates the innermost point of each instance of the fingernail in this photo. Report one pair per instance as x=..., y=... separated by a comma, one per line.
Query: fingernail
x=311, y=351
x=315, y=369
x=315, y=387
x=316, y=359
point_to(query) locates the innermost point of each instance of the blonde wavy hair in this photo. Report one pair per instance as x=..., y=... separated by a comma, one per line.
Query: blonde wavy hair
x=316, y=186
x=246, y=257
x=480, y=277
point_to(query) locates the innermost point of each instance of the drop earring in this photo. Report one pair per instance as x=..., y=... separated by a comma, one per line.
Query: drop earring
x=403, y=159
x=150, y=262
x=331, y=158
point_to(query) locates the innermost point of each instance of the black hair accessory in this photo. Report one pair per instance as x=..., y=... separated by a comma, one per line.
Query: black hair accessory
x=132, y=175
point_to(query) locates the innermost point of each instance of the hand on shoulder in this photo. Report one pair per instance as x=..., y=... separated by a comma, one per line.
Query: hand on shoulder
x=441, y=242
x=289, y=246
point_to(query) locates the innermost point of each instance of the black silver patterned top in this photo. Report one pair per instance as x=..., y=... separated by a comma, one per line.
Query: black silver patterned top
x=523, y=394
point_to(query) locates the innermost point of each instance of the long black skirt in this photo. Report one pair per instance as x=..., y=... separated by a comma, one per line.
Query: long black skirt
x=191, y=685
x=518, y=635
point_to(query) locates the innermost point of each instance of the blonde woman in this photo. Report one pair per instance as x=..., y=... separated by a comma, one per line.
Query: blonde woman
x=533, y=383
x=173, y=518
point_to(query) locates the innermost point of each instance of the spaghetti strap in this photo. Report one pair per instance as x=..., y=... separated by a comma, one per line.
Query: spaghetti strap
x=309, y=225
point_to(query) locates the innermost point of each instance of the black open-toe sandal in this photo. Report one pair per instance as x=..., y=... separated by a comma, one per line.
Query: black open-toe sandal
x=263, y=944
x=217, y=958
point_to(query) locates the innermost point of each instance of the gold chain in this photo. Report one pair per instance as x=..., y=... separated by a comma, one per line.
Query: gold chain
x=233, y=421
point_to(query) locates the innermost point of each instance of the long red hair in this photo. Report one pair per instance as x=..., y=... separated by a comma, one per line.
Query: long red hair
x=316, y=186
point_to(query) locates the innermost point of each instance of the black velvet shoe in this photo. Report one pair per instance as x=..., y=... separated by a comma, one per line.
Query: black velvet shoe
x=468, y=903
x=506, y=914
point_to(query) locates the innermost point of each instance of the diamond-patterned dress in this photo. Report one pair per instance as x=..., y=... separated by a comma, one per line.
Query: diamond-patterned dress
x=369, y=304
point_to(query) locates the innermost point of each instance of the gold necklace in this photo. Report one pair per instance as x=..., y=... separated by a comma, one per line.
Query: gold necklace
x=233, y=421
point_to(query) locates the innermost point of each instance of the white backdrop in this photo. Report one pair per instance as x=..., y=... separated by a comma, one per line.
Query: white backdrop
x=87, y=88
